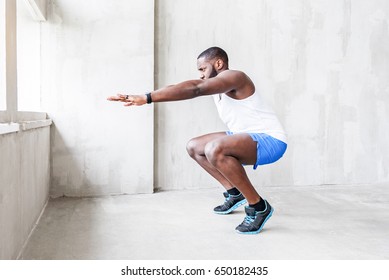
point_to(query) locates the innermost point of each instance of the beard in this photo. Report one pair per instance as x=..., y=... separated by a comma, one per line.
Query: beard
x=213, y=73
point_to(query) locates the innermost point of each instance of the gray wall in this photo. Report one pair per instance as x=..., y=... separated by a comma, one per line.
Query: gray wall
x=323, y=65
x=92, y=49
x=24, y=186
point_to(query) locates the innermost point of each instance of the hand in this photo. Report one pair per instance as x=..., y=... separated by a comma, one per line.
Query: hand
x=129, y=100
x=118, y=97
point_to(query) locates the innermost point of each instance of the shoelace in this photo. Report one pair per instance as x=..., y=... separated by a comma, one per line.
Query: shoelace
x=248, y=219
x=227, y=198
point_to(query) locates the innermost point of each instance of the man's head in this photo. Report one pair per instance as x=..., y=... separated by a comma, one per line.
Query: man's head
x=211, y=62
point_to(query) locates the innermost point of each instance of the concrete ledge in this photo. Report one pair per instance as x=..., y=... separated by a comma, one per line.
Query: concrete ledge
x=9, y=128
x=35, y=124
x=6, y=128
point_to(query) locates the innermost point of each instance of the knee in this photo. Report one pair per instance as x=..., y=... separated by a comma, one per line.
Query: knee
x=214, y=152
x=192, y=148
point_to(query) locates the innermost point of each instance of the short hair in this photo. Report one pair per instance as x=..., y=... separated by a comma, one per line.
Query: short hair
x=214, y=52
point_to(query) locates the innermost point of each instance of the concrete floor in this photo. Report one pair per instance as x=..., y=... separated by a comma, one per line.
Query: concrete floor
x=330, y=222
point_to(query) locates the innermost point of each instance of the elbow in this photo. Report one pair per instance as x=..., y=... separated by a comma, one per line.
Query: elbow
x=197, y=91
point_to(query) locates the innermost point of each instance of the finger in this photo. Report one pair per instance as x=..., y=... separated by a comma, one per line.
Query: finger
x=122, y=96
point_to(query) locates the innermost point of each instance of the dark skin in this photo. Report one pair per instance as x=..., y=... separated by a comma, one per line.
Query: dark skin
x=219, y=154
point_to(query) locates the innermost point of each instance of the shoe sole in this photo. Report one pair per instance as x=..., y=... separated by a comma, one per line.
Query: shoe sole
x=263, y=224
x=240, y=203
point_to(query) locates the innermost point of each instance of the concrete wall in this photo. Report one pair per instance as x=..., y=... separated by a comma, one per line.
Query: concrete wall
x=24, y=186
x=28, y=59
x=91, y=50
x=323, y=65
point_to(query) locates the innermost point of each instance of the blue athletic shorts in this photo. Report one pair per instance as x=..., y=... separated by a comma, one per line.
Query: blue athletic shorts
x=269, y=149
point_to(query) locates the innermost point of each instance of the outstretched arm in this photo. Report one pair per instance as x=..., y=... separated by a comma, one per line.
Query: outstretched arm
x=224, y=82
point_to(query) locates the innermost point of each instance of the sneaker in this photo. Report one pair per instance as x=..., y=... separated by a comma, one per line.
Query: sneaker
x=230, y=204
x=254, y=221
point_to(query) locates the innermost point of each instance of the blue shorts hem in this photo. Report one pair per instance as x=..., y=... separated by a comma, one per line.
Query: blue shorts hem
x=269, y=149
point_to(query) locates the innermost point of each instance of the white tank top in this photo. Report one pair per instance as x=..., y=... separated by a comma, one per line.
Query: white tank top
x=251, y=114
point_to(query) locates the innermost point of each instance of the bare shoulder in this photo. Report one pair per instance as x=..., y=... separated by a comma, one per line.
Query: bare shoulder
x=239, y=77
x=233, y=74
x=243, y=88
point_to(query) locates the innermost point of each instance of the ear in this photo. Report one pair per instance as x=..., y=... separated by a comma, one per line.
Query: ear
x=219, y=64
